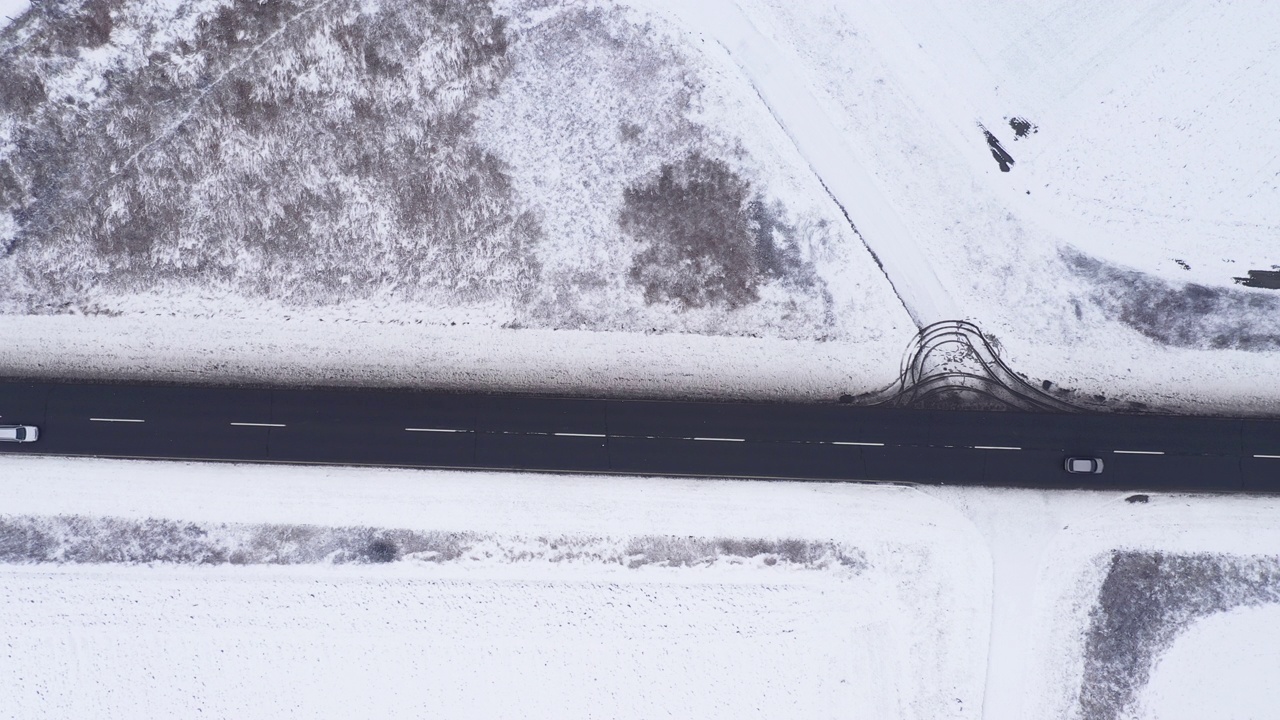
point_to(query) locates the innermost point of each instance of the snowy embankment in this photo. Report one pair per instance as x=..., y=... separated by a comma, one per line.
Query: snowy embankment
x=178, y=588
x=309, y=350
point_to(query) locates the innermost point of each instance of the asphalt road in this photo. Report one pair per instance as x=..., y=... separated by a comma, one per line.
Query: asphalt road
x=751, y=440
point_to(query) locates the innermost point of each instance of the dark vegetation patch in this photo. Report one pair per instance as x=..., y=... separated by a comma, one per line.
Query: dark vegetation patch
x=1002, y=156
x=675, y=551
x=706, y=239
x=28, y=539
x=1146, y=601
x=1189, y=315
x=1022, y=127
x=326, y=153
x=1268, y=279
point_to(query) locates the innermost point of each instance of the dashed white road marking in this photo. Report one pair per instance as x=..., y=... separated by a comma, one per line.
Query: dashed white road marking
x=1138, y=452
x=864, y=444
x=439, y=430
x=590, y=435
x=995, y=447
x=716, y=439
x=1271, y=457
x=241, y=424
x=132, y=420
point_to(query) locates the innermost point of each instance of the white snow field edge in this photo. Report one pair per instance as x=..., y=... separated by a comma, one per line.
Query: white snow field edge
x=972, y=603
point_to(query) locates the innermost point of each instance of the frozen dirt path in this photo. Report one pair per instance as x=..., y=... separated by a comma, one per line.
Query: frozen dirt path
x=818, y=140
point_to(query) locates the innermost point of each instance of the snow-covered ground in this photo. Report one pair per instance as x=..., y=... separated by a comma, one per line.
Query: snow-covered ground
x=1142, y=182
x=1138, y=152
x=1224, y=666
x=558, y=152
x=550, y=596
x=889, y=628
x=422, y=351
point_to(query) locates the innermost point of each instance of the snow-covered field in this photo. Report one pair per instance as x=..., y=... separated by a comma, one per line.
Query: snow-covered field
x=576, y=597
x=727, y=198
x=161, y=589
x=576, y=153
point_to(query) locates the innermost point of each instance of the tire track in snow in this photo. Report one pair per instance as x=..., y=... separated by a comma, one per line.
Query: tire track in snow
x=820, y=143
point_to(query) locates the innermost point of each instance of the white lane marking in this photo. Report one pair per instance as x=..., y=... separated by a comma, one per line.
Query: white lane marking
x=1138, y=452
x=864, y=444
x=259, y=424
x=712, y=439
x=995, y=447
x=594, y=435
x=115, y=420
x=443, y=430
x=1272, y=457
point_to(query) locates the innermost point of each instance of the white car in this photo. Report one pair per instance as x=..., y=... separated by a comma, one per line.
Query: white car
x=19, y=433
x=1083, y=465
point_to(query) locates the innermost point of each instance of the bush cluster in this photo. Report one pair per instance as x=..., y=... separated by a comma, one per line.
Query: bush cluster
x=306, y=152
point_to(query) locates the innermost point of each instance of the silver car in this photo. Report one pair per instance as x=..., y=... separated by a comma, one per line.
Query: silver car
x=19, y=433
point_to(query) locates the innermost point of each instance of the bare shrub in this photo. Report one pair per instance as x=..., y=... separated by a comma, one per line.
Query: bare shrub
x=81, y=539
x=674, y=551
x=23, y=542
x=707, y=240
x=692, y=221
x=382, y=551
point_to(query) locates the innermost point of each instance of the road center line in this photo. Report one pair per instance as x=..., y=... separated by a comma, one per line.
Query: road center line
x=864, y=444
x=441, y=430
x=259, y=424
x=995, y=447
x=592, y=435
x=713, y=439
x=1138, y=452
x=1271, y=457
x=116, y=420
